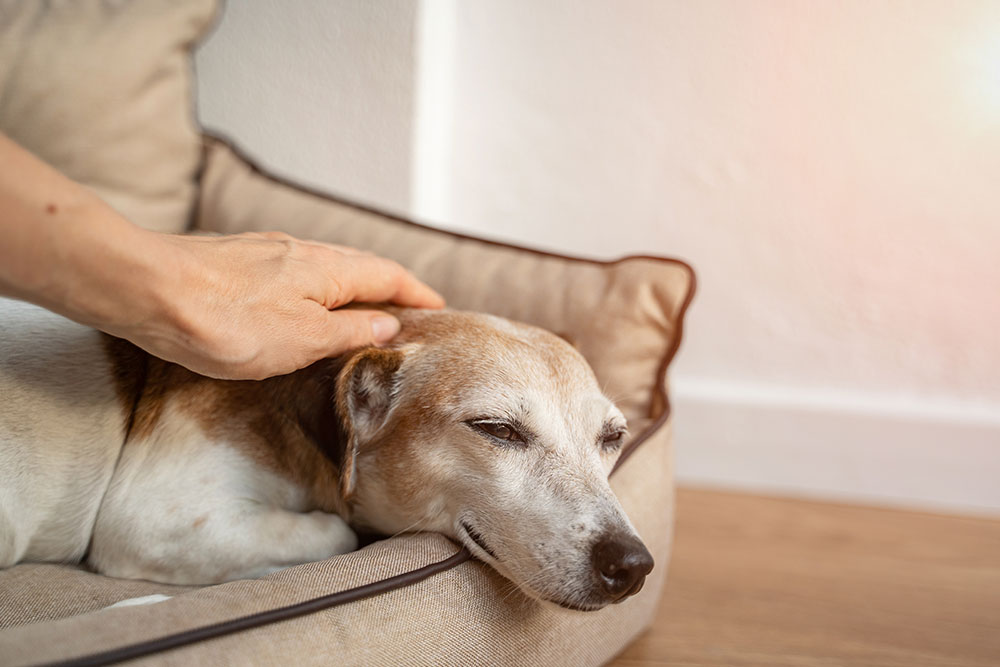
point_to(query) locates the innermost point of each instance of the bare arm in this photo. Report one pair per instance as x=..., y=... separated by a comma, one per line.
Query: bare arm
x=246, y=306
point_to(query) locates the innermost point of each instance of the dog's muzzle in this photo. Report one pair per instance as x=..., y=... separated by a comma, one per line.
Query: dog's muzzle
x=621, y=563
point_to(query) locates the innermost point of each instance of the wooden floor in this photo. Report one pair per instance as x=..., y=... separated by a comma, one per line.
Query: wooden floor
x=762, y=581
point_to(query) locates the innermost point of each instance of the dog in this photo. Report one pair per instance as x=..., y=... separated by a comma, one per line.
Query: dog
x=492, y=432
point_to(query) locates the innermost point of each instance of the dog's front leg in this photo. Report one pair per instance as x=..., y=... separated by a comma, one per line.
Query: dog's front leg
x=291, y=538
x=199, y=547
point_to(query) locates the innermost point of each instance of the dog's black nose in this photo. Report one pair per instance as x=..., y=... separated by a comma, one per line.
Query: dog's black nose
x=621, y=563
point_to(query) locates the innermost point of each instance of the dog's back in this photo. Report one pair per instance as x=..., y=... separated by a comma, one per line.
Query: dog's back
x=61, y=429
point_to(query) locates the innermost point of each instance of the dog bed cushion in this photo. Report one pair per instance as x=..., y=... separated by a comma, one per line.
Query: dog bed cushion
x=626, y=317
x=101, y=89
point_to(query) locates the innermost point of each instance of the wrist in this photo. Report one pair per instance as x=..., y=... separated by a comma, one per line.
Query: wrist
x=107, y=272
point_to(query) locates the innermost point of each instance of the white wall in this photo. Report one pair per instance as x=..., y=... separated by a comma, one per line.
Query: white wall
x=321, y=91
x=831, y=169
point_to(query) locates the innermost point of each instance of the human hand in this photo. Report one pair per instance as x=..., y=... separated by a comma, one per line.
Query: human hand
x=250, y=306
x=247, y=306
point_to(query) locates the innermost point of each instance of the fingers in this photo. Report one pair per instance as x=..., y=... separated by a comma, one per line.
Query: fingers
x=358, y=275
x=350, y=329
x=372, y=279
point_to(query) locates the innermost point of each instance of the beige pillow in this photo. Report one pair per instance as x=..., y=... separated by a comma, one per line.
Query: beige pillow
x=103, y=92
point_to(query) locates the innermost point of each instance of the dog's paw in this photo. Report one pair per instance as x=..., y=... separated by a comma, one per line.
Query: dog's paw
x=338, y=536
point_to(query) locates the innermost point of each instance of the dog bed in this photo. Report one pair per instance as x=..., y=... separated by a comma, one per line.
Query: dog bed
x=123, y=70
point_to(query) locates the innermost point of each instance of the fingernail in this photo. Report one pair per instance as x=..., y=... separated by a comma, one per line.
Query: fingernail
x=384, y=327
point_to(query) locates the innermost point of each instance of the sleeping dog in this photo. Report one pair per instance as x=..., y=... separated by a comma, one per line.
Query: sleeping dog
x=491, y=432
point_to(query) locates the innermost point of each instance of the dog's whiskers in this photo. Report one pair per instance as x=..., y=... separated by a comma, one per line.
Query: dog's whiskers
x=530, y=581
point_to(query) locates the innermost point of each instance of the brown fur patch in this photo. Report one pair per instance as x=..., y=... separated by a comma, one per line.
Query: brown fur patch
x=286, y=424
x=129, y=366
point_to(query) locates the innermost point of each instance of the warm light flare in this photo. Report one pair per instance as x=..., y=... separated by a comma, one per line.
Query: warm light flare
x=983, y=67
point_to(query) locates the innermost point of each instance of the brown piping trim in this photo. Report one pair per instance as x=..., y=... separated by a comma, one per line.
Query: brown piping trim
x=259, y=619
x=265, y=617
x=661, y=376
x=661, y=380
x=218, y=137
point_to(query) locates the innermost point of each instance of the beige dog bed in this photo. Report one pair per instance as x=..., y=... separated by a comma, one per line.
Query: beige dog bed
x=102, y=91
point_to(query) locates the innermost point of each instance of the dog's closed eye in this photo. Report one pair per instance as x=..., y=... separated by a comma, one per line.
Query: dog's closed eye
x=612, y=438
x=501, y=431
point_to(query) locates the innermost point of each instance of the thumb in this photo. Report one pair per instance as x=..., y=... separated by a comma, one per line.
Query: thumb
x=350, y=329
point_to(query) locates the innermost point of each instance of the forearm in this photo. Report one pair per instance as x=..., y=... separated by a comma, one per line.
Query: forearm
x=65, y=249
x=246, y=306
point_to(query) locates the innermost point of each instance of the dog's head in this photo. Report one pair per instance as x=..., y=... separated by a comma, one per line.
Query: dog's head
x=496, y=434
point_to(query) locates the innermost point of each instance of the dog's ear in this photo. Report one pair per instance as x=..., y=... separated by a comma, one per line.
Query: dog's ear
x=366, y=391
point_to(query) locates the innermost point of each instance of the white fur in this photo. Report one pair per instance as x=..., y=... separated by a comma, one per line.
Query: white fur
x=61, y=428
x=185, y=510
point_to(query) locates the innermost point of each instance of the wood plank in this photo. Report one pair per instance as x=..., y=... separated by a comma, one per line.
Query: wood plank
x=767, y=581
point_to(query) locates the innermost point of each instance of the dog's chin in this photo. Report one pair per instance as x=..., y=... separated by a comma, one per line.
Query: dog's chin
x=573, y=602
x=577, y=605
x=475, y=542
x=477, y=539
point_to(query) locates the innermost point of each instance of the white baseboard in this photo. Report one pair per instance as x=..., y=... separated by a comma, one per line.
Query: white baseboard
x=919, y=454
